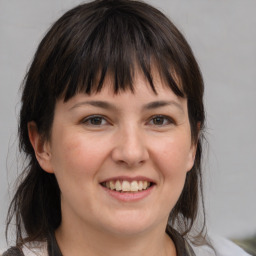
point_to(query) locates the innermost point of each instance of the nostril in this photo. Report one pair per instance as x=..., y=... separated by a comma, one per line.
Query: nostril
x=130, y=164
x=131, y=152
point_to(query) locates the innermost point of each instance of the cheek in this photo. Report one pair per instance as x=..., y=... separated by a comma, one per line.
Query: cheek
x=75, y=165
x=170, y=158
x=173, y=156
x=76, y=156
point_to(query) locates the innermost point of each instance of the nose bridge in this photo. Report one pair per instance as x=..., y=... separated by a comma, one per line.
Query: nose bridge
x=130, y=148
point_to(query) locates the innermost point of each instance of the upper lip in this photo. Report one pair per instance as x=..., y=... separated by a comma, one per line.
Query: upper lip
x=130, y=179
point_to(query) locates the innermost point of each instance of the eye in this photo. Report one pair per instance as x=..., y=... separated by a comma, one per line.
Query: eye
x=95, y=121
x=161, y=120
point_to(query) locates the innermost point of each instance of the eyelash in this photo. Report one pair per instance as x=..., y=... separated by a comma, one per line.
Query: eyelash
x=166, y=120
x=88, y=120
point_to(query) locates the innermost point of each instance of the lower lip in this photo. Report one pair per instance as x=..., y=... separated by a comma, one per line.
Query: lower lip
x=129, y=197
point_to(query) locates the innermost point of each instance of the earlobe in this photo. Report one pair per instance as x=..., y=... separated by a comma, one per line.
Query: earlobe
x=41, y=147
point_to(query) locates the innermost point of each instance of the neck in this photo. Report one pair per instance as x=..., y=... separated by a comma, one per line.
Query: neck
x=81, y=241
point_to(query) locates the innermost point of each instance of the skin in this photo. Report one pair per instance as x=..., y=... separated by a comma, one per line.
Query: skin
x=131, y=136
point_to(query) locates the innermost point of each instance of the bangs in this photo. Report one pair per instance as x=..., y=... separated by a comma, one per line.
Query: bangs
x=113, y=44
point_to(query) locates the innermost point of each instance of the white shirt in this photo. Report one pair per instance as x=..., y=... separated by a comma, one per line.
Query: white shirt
x=222, y=246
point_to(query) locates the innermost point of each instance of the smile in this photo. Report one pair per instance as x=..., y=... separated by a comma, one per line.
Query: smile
x=127, y=186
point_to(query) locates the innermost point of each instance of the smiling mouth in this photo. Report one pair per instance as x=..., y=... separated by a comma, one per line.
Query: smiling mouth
x=126, y=186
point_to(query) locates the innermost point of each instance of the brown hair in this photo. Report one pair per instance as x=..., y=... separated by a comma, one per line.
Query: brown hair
x=89, y=42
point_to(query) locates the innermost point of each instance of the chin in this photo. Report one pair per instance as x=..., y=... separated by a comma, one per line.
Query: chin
x=130, y=224
x=128, y=230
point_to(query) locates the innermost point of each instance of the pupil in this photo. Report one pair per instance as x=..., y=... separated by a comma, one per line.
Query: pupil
x=96, y=121
x=158, y=120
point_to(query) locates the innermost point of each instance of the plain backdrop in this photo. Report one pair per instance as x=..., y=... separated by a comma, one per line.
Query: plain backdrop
x=222, y=35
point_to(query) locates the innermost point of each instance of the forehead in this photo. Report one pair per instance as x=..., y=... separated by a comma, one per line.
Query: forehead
x=155, y=82
x=141, y=95
x=154, y=76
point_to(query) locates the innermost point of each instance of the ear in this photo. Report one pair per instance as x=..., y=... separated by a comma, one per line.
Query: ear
x=191, y=156
x=41, y=147
x=193, y=149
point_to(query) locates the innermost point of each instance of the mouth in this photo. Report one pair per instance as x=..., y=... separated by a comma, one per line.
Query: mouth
x=125, y=186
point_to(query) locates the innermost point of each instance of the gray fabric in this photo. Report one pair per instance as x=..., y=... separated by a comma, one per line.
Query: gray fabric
x=182, y=246
x=13, y=251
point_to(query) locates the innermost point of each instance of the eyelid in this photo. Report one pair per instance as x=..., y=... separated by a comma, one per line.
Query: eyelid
x=90, y=117
x=171, y=121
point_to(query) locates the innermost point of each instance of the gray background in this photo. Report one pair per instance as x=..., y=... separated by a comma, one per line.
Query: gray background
x=222, y=34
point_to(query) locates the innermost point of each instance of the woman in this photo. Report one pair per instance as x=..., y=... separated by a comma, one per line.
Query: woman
x=111, y=125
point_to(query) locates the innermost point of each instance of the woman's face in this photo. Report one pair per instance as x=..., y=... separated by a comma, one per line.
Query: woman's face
x=121, y=160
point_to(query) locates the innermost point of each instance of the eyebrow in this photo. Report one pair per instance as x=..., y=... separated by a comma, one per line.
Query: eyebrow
x=109, y=106
x=159, y=104
x=99, y=104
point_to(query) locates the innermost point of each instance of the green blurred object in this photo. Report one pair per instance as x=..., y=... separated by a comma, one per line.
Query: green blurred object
x=248, y=244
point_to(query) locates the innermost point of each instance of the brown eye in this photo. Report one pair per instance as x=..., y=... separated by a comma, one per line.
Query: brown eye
x=160, y=120
x=95, y=121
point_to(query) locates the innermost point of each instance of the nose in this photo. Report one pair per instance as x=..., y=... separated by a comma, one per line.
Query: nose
x=130, y=148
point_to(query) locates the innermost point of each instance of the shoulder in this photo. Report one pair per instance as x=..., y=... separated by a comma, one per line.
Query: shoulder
x=13, y=251
x=225, y=247
x=30, y=249
x=222, y=246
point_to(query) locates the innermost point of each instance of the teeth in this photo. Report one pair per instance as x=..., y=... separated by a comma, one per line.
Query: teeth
x=126, y=186
x=145, y=184
x=118, y=186
x=112, y=185
x=134, y=186
x=140, y=185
